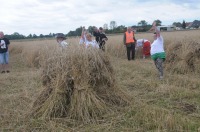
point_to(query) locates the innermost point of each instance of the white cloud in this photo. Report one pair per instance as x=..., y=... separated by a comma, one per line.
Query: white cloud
x=45, y=16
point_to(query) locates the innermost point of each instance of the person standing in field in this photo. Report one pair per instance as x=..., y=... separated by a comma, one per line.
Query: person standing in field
x=129, y=42
x=83, y=36
x=145, y=45
x=4, y=54
x=96, y=34
x=60, y=38
x=102, y=39
x=157, y=50
x=90, y=42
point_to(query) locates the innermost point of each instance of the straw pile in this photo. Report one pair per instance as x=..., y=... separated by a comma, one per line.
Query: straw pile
x=183, y=57
x=78, y=84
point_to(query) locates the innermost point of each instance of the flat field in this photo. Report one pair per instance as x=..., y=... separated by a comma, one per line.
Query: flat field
x=170, y=105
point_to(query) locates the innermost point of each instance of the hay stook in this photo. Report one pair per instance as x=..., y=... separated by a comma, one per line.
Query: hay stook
x=183, y=57
x=79, y=84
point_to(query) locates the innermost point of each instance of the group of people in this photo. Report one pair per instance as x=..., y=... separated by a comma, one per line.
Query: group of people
x=100, y=38
x=156, y=49
x=132, y=44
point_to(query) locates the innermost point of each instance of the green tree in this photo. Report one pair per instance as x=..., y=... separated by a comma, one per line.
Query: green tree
x=105, y=26
x=142, y=23
x=34, y=36
x=183, y=24
x=90, y=29
x=177, y=24
x=41, y=36
x=78, y=31
x=158, y=22
x=29, y=36
x=113, y=25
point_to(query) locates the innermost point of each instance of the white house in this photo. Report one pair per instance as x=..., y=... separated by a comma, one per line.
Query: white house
x=165, y=28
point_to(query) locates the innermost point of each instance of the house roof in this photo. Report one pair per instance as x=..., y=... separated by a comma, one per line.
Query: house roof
x=195, y=23
x=188, y=24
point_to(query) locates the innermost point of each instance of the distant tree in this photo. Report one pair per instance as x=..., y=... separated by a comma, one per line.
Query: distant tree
x=158, y=22
x=71, y=33
x=50, y=35
x=34, y=36
x=41, y=35
x=15, y=35
x=183, y=24
x=29, y=36
x=142, y=23
x=78, y=31
x=177, y=24
x=105, y=26
x=90, y=29
x=113, y=25
x=120, y=29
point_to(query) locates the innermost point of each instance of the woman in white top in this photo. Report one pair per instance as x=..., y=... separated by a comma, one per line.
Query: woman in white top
x=86, y=40
x=83, y=36
x=90, y=42
x=157, y=50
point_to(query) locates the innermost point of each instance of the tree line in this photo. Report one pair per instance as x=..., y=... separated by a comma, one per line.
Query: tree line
x=142, y=26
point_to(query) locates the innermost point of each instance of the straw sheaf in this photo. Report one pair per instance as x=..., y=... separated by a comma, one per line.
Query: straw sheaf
x=183, y=57
x=79, y=84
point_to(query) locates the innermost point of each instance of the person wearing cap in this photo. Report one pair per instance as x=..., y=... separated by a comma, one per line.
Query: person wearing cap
x=60, y=37
x=4, y=54
x=129, y=42
x=102, y=39
x=157, y=50
x=145, y=45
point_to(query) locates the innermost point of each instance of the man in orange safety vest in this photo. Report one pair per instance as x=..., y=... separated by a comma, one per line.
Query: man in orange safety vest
x=129, y=42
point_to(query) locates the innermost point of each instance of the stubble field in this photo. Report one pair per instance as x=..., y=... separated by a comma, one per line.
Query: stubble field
x=171, y=104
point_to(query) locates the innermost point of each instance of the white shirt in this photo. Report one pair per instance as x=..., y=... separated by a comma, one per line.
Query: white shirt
x=3, y=44
x=157, y=46
x=82, y=40
x=92, y=43
x=63, y=44
x=139, y=42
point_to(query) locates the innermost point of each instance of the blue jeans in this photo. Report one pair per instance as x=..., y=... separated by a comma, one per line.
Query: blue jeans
x=4, y=58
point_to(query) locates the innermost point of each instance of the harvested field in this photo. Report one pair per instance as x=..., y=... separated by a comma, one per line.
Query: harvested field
x=171, y=104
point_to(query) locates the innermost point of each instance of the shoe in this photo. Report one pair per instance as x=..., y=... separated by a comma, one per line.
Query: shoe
x=2, y=71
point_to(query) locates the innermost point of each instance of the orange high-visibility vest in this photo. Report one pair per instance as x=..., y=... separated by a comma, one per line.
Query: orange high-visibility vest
x=129, y=37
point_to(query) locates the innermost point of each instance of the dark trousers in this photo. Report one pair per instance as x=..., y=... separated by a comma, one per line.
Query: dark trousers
x=130, y=51
x=102, y=45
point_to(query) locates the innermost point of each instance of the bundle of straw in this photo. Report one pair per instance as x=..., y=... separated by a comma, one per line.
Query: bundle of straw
x=183, y=57
x=80, y=84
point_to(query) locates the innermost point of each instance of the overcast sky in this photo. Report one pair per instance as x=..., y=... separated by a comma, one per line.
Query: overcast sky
x=54, y=16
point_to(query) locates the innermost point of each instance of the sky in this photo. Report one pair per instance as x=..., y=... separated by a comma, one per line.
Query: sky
x=60, y=16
